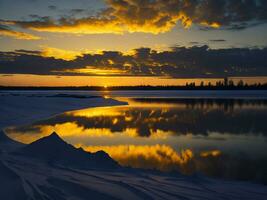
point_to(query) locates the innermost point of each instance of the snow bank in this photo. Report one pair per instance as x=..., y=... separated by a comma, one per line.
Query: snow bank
x=18, y=109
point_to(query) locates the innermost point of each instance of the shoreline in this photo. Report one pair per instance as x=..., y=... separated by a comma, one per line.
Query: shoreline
x=27, y=109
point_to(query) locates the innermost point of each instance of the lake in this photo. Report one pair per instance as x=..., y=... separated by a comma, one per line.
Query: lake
x=219, y=137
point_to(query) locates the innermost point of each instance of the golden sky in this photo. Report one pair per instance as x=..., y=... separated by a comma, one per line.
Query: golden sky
x=130, y=42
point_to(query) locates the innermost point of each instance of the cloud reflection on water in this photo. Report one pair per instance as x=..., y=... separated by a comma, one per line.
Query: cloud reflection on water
x=220, y=138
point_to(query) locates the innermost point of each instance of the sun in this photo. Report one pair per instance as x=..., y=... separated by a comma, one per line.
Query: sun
x=105, y=86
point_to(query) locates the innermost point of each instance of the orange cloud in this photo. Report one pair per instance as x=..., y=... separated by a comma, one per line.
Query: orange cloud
x=80, y=26
x=91, y=70
x=60, y=53
x=17, y=35
x=212, y=24
x=158, y=16
x=127, y=16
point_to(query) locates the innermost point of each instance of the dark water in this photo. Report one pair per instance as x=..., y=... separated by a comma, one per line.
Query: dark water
x=222, y=138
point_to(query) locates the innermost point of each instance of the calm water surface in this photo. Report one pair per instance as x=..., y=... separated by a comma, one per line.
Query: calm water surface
x=219, y=138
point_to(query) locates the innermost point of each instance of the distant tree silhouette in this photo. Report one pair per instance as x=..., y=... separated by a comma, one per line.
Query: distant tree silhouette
x=226, y=81
x=226, y=84
x=240, y=83
x=231, y=83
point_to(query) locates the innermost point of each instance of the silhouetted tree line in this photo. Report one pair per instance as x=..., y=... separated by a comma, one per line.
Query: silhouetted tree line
x=226, y=84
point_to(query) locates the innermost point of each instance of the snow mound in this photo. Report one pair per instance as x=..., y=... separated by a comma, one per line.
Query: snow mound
x=50, y=168
x=54, y=150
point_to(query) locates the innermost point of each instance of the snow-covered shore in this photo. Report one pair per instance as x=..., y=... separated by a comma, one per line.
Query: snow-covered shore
x=25, y=177
x=18, y=109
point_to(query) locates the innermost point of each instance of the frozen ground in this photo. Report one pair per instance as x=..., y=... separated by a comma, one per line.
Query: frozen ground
x=43, y=176
x=18, y=108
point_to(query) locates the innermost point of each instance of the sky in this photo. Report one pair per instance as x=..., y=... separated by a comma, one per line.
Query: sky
x=131, y=42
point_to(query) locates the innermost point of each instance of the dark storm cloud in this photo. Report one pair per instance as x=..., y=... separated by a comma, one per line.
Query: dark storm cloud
x=77, y=10
x=229, y=13
x=158, y=16
x=180, y=62
x=217, y=40
x=194, y=43
x=23, y=51
x=52, y=7
x=25, y=63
